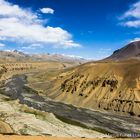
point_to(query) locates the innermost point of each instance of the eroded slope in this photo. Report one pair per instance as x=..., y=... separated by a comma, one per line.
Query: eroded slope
x=105, y=86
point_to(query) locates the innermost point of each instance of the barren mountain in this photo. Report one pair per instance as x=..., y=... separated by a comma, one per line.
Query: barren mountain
x=12, y=56
x=108, y=90
x=17, y=56
x=58, y=57
x=106, y=85
x=131, y=50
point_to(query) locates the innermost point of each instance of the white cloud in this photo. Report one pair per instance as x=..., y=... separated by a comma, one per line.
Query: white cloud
x=68, y=44
x=134, y=11
x=2, y=45
x=36, y=45
x=33, y=46
x=131, y=18
x=135, y=23
x=73, y=56
x=9, y=10
x=47, y=10
x=135, y=39
x=22, y=25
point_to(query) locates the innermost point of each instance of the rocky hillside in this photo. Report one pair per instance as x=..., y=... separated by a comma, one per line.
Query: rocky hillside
x=112, y=86
x=103, y=85
x=131, y=50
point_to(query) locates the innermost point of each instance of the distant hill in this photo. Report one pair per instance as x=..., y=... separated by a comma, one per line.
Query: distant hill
x=14, y=56
x=132, y=50
x=58, y=57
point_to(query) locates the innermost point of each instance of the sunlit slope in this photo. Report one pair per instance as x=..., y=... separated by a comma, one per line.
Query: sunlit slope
x=111, y=86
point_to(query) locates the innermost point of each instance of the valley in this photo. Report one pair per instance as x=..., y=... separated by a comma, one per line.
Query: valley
x=57, y=98
x=69, y=69
x=112, y=86
x=89, y=119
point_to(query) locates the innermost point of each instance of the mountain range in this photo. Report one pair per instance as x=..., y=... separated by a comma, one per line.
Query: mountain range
x=14, y=56
x=58, y=95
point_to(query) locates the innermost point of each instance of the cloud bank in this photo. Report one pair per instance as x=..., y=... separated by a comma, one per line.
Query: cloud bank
x=131, y=18
x=24, y=26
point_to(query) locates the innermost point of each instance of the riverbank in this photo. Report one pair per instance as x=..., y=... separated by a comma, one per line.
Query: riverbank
x=101, y=122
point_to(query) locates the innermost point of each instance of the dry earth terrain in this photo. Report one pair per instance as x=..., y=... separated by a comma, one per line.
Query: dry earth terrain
x=110, y=86
x=56, y=98
x=20, y=119
x=23, y=88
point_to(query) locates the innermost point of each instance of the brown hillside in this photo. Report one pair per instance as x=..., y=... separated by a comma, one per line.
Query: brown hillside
x=131, y=50
x=113, y=86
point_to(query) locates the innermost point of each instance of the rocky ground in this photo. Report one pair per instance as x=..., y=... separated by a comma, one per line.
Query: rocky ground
x=19, y=116
x=26, y=107
x=22, y=120
x=78, y=120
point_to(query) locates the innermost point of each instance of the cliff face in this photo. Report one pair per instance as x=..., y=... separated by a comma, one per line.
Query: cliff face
x=104, y=86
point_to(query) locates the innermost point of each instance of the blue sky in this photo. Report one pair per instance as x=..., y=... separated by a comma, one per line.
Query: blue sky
x=87, y=28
